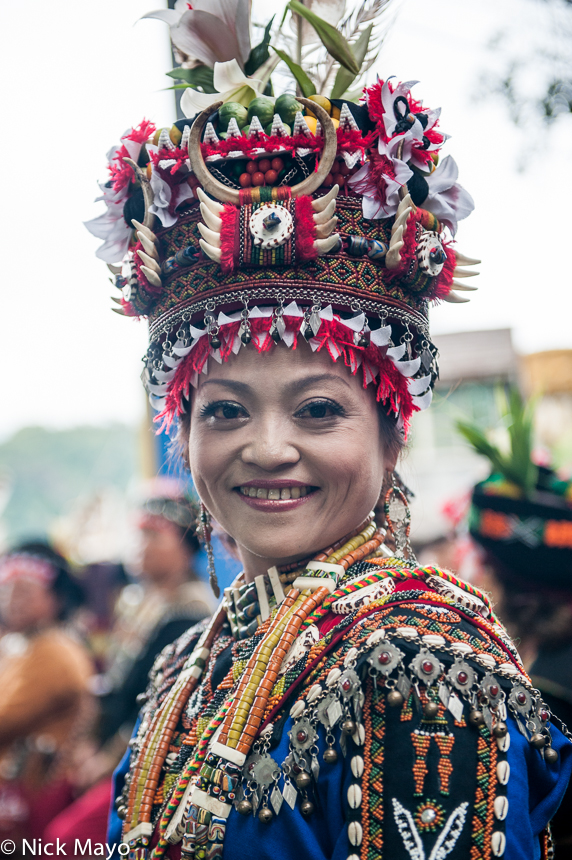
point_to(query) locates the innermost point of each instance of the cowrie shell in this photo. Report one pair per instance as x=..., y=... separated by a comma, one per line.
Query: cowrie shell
x=407, y=632
x=350, y=657
x=357, y=766
x=498, y=843
x=503, y=772
x=433, y=640
x=358, y=736
x=354, y=796
x=501, y=807
x=333, y=677
x=503, y=743
x=313, y=693
x=297, y=709
x=355, y=833
x=375, y=637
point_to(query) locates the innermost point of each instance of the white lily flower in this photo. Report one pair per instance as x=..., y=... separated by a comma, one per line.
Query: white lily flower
x=232, y=85
x=447, y=200
x=212, y=31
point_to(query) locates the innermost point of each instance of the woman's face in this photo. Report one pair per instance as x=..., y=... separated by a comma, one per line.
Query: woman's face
x=285, y=451
x=26, y=604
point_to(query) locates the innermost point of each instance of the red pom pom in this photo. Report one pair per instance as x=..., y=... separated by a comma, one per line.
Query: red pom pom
x=277, y=164
x=251, y=167
x=258, y=178
x=245, y=180
x=270, y=176
x=264, y=164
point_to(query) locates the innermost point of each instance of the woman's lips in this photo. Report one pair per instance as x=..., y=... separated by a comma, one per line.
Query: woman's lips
x=275, y=498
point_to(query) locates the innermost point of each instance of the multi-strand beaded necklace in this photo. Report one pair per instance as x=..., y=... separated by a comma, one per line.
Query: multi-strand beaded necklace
x=237, y=722
x=207, y=786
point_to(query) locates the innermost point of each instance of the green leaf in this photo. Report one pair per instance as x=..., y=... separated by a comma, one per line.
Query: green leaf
x=259, y=54
x=333, y=41
x=345, y=79
x=199, y=77
x=302, y=79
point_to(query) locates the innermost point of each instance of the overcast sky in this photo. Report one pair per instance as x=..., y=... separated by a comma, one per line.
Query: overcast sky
x=75, y=76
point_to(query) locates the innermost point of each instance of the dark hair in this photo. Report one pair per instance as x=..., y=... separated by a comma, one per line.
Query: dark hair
x=65, y=586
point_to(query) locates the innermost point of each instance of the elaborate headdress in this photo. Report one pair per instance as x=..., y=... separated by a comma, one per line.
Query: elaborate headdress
x=273, y=219
x=522, y=513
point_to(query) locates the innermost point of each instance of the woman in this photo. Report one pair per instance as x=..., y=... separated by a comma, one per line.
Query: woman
x=521, y=519
x=45, y=705
x=342, y=702
x=149, y=617
x=170, y=598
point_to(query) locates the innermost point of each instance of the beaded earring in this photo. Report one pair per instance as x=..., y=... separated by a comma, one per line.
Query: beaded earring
x=206, y=531
x=398, y=518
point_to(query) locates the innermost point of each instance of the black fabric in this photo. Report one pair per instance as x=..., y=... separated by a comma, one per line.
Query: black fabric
x=526, y=560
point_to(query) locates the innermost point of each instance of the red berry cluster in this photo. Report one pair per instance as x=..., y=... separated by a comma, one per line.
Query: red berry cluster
x=263, y=172
x=339, y=173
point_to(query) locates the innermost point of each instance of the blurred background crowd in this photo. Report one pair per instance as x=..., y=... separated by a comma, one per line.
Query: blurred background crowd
x=100, y=562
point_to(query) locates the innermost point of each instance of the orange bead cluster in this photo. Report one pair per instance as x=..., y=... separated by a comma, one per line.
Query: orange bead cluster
x=262, y=172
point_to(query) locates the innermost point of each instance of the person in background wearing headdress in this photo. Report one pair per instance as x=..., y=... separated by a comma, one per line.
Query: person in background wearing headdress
x=45, y=706
x=166, y=599
x=521, y=518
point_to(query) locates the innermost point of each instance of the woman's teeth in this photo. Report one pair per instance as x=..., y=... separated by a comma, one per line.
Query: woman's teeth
x=275, y=494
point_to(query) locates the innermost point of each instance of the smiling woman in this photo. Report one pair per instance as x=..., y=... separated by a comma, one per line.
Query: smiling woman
x=343, y=702
x=290, y=459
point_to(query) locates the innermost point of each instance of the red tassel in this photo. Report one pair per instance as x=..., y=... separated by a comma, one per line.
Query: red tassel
x=229, y=238
x=305, y=229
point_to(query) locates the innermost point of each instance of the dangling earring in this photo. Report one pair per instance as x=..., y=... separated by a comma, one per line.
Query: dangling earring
x=206, y=529
x=398, y=518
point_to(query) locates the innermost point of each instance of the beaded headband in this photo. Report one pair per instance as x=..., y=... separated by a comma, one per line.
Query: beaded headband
x=25, y=566
x=338, y=230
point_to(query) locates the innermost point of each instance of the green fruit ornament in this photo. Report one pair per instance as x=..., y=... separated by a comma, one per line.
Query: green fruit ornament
x=287, y=106
x=263, y=108
x=231, y=110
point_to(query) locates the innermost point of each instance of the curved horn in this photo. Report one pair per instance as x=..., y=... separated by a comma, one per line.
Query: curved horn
x=314, y=180
x=148, y=195
x=231, y=195
x=201, y=171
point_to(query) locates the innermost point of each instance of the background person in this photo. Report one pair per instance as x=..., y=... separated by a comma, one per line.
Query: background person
x=45, y=706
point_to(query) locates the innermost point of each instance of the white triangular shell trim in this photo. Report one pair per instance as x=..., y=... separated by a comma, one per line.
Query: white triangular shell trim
x=183, y=350
x=159, y=390
x=170, y=360
x=381, y=336
x=396, y=352
x=355, y=324
x=418, y=386
x=236, y=344
x=288, y=338
x=215, y=353
x=158, y=403
x=334, y=349
x=424, y=401
x=223, y=319
x=327, y=313
x=408, y=368
x=292, y=310
x=163, y=376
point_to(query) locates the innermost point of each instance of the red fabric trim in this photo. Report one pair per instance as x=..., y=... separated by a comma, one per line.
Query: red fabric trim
x=372, y=611
x=247, y=145
x=305, y=229
x=392, y=387
x=228, y=238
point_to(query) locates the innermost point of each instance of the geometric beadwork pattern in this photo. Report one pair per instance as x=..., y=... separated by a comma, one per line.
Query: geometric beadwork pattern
x=357, y=276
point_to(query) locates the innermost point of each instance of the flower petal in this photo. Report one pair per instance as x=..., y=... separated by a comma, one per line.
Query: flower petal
x=169, y=16
x=193, y=102
x=201, y=36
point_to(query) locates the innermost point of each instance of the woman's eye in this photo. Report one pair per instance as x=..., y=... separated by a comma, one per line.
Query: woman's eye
x=320, y=409
x=224, y=409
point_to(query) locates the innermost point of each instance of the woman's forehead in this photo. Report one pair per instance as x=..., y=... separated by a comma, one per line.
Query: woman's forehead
x=282, y=368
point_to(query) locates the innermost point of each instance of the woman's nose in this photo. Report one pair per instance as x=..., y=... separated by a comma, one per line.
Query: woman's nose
x=271, y=447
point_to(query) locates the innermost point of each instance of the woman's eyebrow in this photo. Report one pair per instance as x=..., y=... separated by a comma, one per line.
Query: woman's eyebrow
x=235, y=384
x=298, y=385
